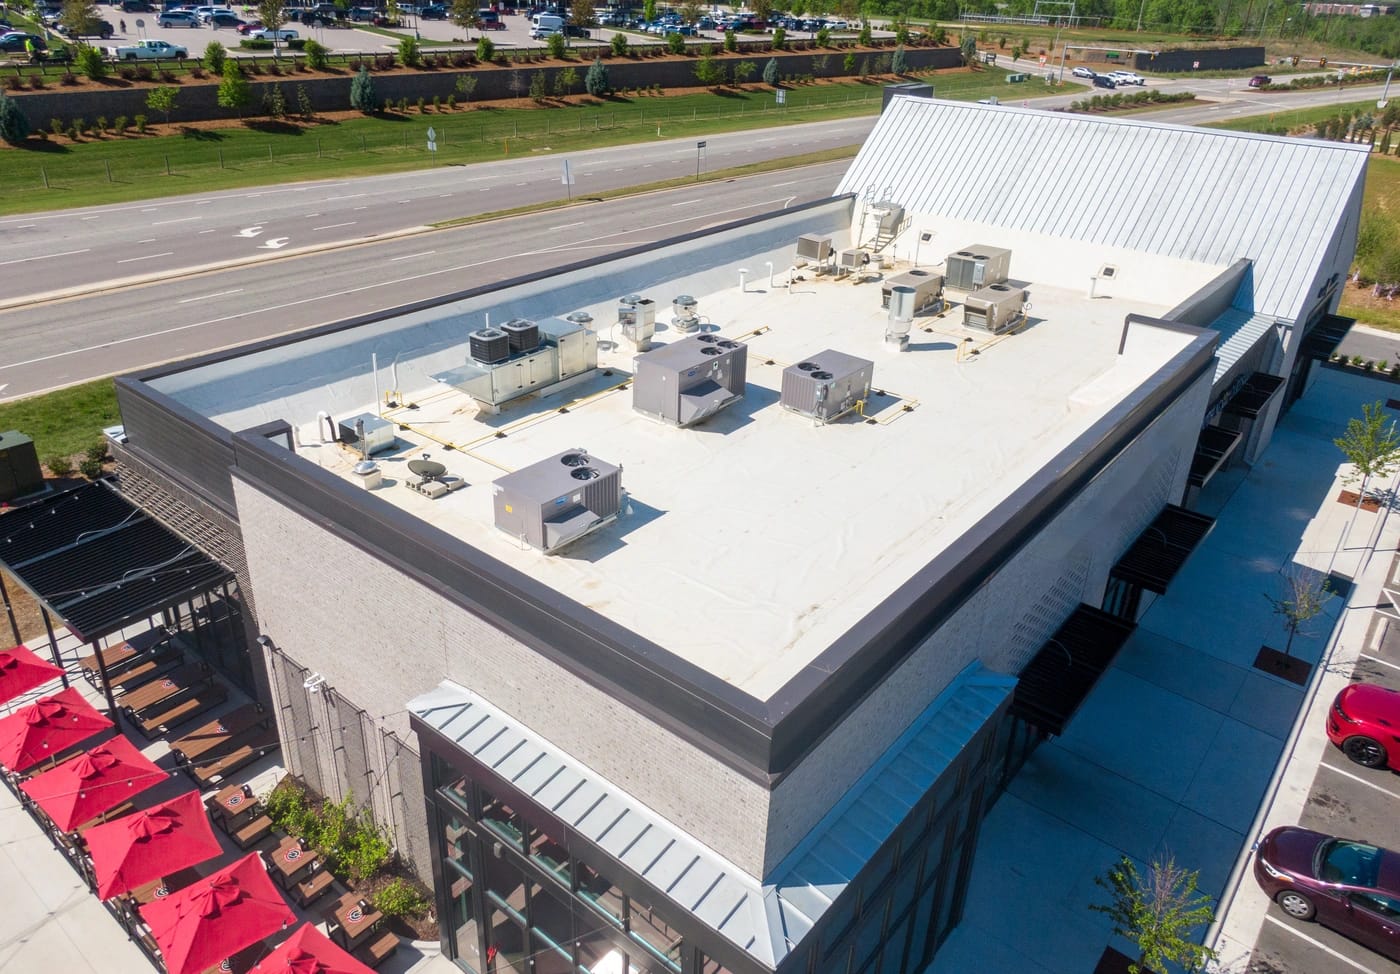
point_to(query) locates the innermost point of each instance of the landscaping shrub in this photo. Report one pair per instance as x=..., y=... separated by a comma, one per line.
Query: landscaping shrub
x=619, y=46
x=362, y=94
x=779, y=38
x=91, y=469
x=317, y=55
x=143, y=72
x=400, y=898
x=36, y=81
x=675, y=43
x=102, y=127
x=731, y=43
x=410, y=54
x=140, y=124
x=595, y=82
x=14, y=127
x=91, y=63
x=120, y=124
x=215, y=55
x=384, y=62
x=59, y=466
x=14, y=82
x=57, y=126
x=485, y=50
x=126, y=72
x=557, y=46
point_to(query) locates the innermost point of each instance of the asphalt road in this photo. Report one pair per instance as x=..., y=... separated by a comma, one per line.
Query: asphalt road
x=61, y=342
x=1355, y=803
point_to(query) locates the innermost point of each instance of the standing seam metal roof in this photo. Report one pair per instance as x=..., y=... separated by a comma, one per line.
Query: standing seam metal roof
x=766, y=920
x=1195, y=194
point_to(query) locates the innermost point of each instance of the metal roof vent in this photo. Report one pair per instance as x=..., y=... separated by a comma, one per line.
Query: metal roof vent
x=827, y=385
x=581, y=318
x=637, y=316
x=903, y=301
x=556, y=501
x=684, y=318
x=489, y=345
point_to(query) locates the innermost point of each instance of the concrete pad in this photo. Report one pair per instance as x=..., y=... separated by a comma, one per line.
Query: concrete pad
x=1203, y=844
x=1233, y=775
x=1266, y=704
x=1181, y=669
x=1142, y=732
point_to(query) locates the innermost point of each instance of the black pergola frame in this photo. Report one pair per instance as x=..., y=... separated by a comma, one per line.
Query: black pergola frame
x=97, y=562
x=1153, y=560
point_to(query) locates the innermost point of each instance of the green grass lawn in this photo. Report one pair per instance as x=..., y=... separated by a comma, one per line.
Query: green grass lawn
x=1280, y=123
x=65, y=422
x=113, y=169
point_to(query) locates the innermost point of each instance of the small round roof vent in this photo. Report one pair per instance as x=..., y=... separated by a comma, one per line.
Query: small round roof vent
x=574, y=459
x=583, y=473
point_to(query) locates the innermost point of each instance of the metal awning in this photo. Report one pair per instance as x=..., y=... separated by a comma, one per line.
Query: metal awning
x=99, y=562
x=1253, y=397
x=1213, y=448
x=1058, y=678
x=1160, y=551
x=1324, y=338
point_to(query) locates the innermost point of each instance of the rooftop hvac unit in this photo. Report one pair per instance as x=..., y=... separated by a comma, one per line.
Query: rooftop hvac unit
x=575, y=344
x=827, y=385
x=554, y=502
x=975, y=267
x=927, y=285
x=997, y=307
x=852, y=261
x=637, y=316
x=378, y=433
x=489, y=345
x=815, y=247
x=523, y=333
x=890, y=215
x=689, y=380
x=561, y=350
x=19, y=466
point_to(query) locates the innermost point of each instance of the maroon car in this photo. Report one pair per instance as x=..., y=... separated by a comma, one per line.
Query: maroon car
x=1365, y=723
x=1352, y=887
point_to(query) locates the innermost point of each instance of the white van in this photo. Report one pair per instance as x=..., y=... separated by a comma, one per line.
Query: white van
x=546, y=24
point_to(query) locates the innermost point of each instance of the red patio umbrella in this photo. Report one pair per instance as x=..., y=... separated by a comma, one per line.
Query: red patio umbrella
x=21, y=670
x=309, y=951
x=198, y=926
x=85, y=787
x=46, y=727
x=149, y=844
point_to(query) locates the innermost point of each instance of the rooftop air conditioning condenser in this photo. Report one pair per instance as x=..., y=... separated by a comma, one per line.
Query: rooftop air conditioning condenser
x=556, y=501
x=974, y=267
x=826, y=385
x=687, y=381
x=997, y=307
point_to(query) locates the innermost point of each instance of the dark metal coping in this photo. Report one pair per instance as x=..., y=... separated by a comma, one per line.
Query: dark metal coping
x=1059, y=677
x=98, y=562
x=1324, y=338
x=1213, y=448
x=1253, y=397
x=1160, y=551
x=762, y=740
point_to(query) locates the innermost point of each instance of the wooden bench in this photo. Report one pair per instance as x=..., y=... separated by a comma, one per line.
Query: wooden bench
x=249, y=835
x=156, y=694
x=210, y=741
x=313, y=887
x=162, y=661
x=159, y=724
x=377, y=951
x=263, y=741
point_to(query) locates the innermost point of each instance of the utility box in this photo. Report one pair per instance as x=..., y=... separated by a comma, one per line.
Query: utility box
x=914, y=89
x=827, y=385
x=19, y=466
x=690, y=380
x=577, y=345
x=556, y=501
x=378, y=433
x=974, y=267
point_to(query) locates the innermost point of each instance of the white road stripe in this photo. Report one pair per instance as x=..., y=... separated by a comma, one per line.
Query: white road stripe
x=1374, y=659
x=25, y=260
x=411, y=256
x=147, y=240
x=567, y=226
x=216, y=294
x=187, y=219
x=132, y=260
x=334, y=226
x=212, y=230
x=687, y=203
x=352, y=196
x=1360, y=780
x=1318, y=944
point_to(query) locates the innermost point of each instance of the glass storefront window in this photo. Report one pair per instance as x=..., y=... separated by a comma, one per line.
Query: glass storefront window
x=867, y=936
x=550, y=854
x=598, y=890
x=893, y=957
x=503, y=820
x=466, y=931
x=597, y=954
x=506, y=949
x=551, y=923
x=456, y=838
x=655, y=934
x=505, y=885
x=918, y=942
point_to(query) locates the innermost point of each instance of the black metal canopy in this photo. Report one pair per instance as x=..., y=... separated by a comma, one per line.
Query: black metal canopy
x=1059, y=677
x=98, y=562
x=1213, y=448
x=1160, y=551
x=1254, y=395
x=1325, y=336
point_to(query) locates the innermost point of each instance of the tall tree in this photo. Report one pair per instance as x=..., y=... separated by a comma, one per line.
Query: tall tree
x=14, y=125
x=273, y=15
x=234, y=91
x=363, y=97
x=464, y=14
x=79, y=18
x=1371, y=447
x=581, y=13
x=1159, y=914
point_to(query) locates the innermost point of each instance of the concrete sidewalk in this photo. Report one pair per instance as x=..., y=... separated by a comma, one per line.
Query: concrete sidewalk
x=1176, y=748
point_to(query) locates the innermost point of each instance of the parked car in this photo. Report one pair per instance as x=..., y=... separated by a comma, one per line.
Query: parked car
x=221, y=20
x=282, y=34
x=1260, y=81
x=137, y=7
x=246, y=29
x=1365, y=723
x=1104, y=81
x=1083, y=72
x=15, y=41
x=1126, y=78
x=574, y=30
x=93, y=27
x=1351, y=887
x=148, y=49
x=178, y=18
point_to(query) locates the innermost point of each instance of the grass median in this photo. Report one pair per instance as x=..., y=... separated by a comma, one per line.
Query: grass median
x=64, y=422
x=113, y=169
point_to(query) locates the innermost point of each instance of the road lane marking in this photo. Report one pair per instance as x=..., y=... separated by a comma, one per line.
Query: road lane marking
x=444, y=196
x=567, y=226
x=184, y=219
x=425, y=253
x=362, y=207
x=788, y=183
x=210, y=230
x=27, y=226
x=335, y=226
x=1318, y=944
x=132, y=260
x=216, y=294
x=1360, y=780
x=352, y=196
x=1374, y=659
x=147, y=240
x=25, y=260
x=687, y=203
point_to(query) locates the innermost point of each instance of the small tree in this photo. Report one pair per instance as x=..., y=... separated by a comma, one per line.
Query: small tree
x=234, y=90
x=581, y=13
x=649, y=11
x=1371, y=447
x=162, y=99
x=215, y=56
x=779, y=38
x=864, y=36
x=557, y=45
x=91, y=62
x=899, y=64
x=14, y=126
x=362, y=94
x=538, y=88
x=566, y=81
x=1158, y=914
x=619, y=45
x=691, y=12
x=770, y=73
x=465, y=87
x=969, y=49
x=317, y=55
x=304, y=108
x=410, y=55
x=273, y=15
x=743, y=71
x=848, y=63
x=79, y=18
x=675, y=43
x=595, y=82
x=464, y=13
x=731, y=43
x=707, y=71
x=274, y=101
x=485, y=50
x=1306, y=593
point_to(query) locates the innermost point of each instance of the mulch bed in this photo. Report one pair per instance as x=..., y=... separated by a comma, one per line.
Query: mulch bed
x=1289, y=668
x=1348, y=497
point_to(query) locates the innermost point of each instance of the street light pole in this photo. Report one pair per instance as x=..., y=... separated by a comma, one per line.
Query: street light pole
x=1385, y=95
x=1141, y=7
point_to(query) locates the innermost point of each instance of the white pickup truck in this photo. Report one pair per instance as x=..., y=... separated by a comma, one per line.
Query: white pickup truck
x=148, y=50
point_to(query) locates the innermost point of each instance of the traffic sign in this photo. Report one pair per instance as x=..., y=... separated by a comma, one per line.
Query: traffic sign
x=1195, y=65
x=432, y=139
x=782, y=96
x=700, y=145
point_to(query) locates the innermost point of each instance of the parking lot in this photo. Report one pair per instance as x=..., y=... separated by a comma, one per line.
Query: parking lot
x=1347, y=800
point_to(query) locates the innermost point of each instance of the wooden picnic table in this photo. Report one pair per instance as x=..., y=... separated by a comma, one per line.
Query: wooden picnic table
x=233, y=803
x=353, y=922
x=159, y=888
x=111, y=656
x=289, y=860
x=163, y=688
x=208, y=738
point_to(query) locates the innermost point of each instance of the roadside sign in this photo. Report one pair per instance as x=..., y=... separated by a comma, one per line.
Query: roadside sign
x=140, y=22
x=568, y=178
x=700, y=145
x=782, y=96
x=1195, y=65
x=432, y=139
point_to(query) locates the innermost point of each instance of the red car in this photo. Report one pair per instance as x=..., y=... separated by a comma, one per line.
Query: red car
x=1365, y=723
x=1351, y=887
x=249, y=28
